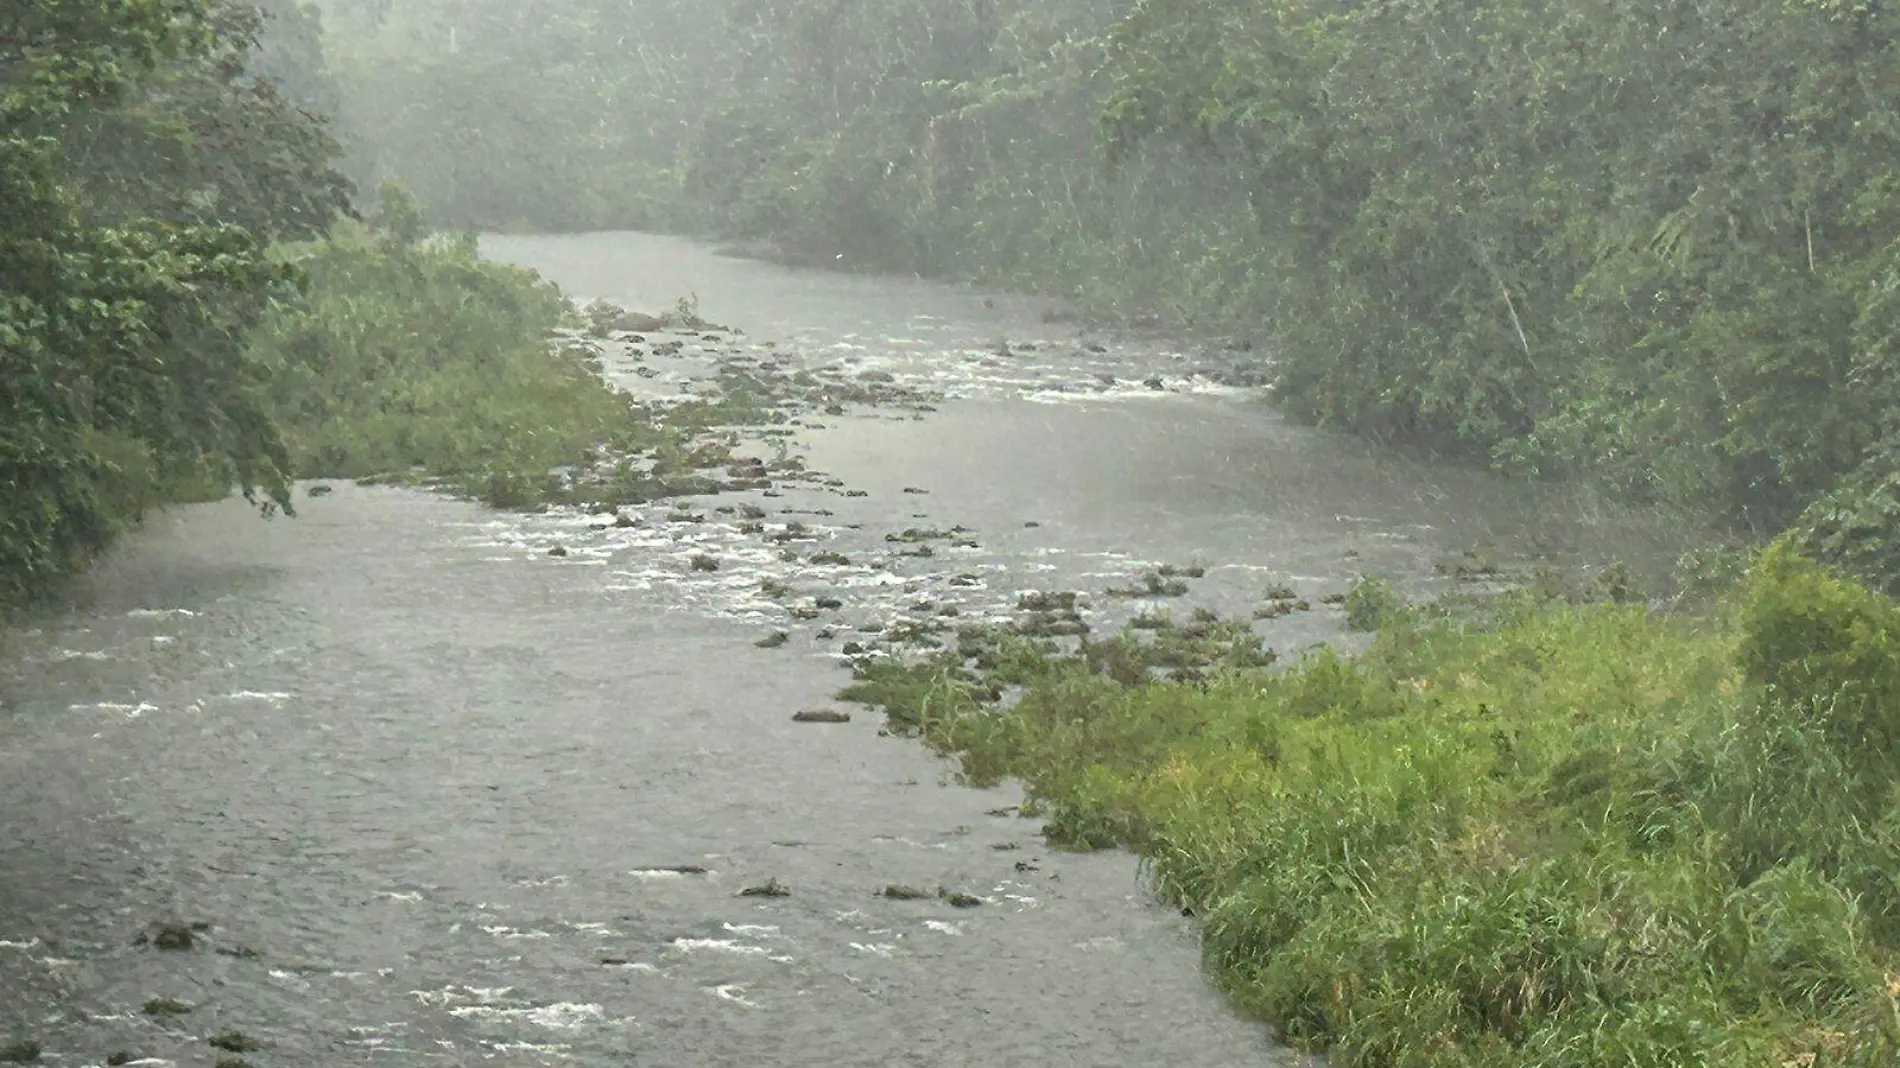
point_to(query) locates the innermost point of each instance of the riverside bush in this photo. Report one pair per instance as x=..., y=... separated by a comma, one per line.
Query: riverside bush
x=409, y=352
x=1570, y=835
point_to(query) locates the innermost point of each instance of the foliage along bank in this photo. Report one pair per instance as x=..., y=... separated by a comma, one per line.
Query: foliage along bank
x=129, y=287
x=1649, y=247
x=1530, y=834
x=186, y=304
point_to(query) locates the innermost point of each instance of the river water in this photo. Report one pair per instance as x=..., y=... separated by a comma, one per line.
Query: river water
x=422, y=783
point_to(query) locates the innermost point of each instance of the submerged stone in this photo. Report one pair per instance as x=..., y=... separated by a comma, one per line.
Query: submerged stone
x=235, y=1041
x=173, y=936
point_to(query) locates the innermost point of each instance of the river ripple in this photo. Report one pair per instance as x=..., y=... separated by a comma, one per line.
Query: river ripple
x=424, y=781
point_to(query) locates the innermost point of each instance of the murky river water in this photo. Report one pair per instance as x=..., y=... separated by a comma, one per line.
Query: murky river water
x=425, y=782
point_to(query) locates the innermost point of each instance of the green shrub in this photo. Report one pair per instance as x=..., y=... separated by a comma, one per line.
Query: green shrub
x=408, y=355
x=1372, y=603
x=1827, y=643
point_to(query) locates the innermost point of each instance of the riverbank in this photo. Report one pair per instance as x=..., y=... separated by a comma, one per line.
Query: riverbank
x=1529, y=832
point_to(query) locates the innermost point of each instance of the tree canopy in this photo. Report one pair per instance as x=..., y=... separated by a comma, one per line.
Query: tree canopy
x=144, y=170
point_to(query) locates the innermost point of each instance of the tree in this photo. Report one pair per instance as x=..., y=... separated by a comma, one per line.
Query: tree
x=125, y=291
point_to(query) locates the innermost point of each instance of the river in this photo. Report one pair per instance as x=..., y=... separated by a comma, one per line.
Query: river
x=424, y=785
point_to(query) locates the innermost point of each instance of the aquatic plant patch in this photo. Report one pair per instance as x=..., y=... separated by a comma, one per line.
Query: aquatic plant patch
x=414, y=360
x=1540, y=833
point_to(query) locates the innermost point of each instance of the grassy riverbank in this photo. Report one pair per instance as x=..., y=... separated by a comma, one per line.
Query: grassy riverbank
x=1555, y=835
x=410, y=357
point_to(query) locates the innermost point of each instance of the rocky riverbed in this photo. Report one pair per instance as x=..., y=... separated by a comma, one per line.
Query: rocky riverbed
x=412, y=781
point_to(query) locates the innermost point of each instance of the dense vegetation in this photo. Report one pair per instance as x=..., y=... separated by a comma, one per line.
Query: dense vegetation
x=1555, y=835
x=407, y=355
x=1650, y=246
x=1653, y=246
x=127, y=289
x=186, y=305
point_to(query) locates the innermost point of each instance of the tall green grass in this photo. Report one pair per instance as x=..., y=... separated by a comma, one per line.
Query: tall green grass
x=410, y=354
x=1564, y=836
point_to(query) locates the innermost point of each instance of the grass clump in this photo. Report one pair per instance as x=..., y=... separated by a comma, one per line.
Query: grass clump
x=1555, y=835
x=410, y=356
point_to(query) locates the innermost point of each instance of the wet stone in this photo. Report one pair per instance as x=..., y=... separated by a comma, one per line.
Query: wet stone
x=821, y=715
x=235, y=1041
x=173, y=936
x=166, y=1007
x=770, y=888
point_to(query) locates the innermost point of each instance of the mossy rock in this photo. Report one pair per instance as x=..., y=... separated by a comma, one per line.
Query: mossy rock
x=235, y=1041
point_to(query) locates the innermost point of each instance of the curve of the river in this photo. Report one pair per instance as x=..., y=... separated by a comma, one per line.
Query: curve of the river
x=428, y=789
